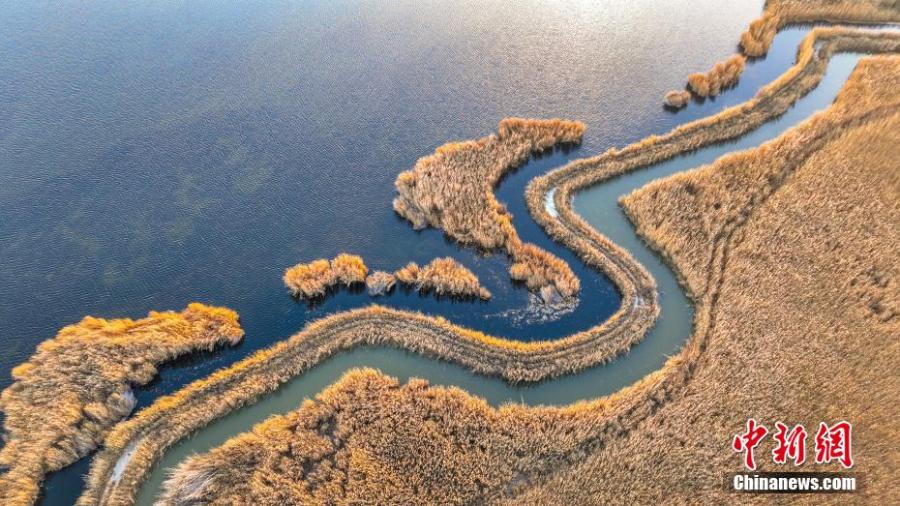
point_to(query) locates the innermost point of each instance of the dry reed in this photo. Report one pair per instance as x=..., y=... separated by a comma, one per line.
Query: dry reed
x=722, y=75
x=453, y=190
x=444, y=276
x=777, y=14
x=173, y=417
x=678, y=98
x=369, y=436
x=312, y=280
x=77, y=385
x=758, y=37
x=380, y=283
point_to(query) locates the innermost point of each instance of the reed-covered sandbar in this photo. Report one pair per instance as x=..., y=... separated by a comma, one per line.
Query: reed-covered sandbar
x=178, y=415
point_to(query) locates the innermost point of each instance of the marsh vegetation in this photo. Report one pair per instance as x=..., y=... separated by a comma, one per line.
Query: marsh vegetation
x=312, y=280
x=757, y=38
x=443, y=276
x=723, y=226
x=452, y=190
x=77, y=385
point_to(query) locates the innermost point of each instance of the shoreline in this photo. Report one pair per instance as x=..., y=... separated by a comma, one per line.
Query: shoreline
x=203, y=399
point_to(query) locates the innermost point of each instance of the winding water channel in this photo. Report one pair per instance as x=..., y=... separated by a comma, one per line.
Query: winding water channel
x=599, y=206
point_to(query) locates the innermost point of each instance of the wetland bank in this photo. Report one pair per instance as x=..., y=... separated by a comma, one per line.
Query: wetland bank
x=477, y=311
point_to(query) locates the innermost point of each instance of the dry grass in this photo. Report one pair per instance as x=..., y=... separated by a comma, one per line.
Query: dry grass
x=173, y=417
x=370, y=437
x=804, y=351
x=313, y=279
x=453, y=190
x=723, y=75
x=777, y=14
x=805, y=327
x=77, y=385
x=444, y=276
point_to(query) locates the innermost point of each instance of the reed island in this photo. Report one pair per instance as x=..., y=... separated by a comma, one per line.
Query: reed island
x=443, y=276
x=453, y=190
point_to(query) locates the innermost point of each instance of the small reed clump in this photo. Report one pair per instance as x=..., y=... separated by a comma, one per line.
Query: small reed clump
x=544, y=273
x=756, y=40
x=453, y=190
x=380, y=283
x=313, y=279
x=678, y=98
x=445, y=276
x=76, y=386
x=723, y=75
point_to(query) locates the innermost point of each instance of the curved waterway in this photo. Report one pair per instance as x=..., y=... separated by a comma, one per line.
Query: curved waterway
x=599, y=206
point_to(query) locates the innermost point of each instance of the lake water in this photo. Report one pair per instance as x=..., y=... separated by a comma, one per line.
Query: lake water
x=155, y=153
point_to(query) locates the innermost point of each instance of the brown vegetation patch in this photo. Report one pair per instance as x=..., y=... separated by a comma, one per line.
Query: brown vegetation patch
x=77, y=385
x=453, y=190
x=723, y=75
x=798, y=351
x=445, y=276
x=369, y=436
x=138, y=442
x=313, y=279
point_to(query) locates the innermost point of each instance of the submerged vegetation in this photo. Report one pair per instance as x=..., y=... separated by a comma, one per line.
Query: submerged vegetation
x=453, y=190
x=77, y=385
x=444, y=276
x=370, y=436
x=313, y=279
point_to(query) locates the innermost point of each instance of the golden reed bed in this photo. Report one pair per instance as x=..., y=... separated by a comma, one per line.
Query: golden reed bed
x=143, y=438
x=796, y=349
x=818, y=184
x=443, y=276
x=453, y=190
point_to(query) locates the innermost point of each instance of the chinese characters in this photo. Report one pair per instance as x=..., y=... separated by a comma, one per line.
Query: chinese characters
x=832, y=443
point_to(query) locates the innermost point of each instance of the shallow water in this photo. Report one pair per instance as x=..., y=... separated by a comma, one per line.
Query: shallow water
x=158, y=153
